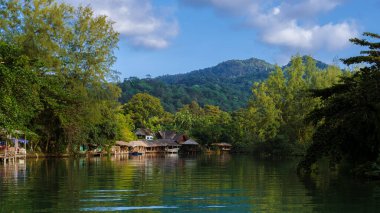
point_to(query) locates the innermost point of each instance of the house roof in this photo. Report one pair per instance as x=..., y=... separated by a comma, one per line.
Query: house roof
x=180, y=137
x=121, y=143
x=190, y=142
x=167, y=142
x=137, y=143
x=141, y=131
x=166, y=134
x=162, y=143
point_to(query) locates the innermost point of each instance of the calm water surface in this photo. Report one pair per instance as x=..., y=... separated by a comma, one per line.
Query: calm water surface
x=224, y=183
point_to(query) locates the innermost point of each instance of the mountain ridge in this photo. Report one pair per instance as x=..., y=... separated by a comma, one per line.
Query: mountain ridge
x=227, y=69
x=227, y=84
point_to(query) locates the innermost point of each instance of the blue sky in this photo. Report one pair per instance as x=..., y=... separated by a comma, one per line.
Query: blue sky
x=175, y=36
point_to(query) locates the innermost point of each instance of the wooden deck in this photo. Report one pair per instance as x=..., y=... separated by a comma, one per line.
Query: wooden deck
x=10, y=156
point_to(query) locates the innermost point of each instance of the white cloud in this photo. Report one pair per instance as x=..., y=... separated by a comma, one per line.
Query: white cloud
x=144, y=25
x=291, y=24
x=329, y=36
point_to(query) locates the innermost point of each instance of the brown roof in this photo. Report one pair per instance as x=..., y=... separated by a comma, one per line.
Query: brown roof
x=137, y=143
x=162, y=142
x=180, y=137
x=141, y=131
x=190, y=142
x=121, y=143
x=166, y=134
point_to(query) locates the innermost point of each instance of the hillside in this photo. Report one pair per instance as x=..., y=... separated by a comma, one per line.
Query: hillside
x=227, y=85
x=233, y=71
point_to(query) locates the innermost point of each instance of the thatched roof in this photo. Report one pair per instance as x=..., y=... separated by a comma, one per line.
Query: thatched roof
x=162, y=142
x=143, y=132
x=166, y=134
x=167, y=142
x=190, y=142
x=137, y=143
x=221, y=144
x=121, y=143
x=179, y=138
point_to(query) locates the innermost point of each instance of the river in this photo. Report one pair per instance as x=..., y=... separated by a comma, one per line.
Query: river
x=172, y=183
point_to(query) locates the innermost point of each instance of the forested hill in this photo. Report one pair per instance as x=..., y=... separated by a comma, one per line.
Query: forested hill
x=227, y=85
x=232, y=71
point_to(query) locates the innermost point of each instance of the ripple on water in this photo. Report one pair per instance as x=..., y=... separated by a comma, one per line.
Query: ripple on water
x=110, y=190
x=125, y=208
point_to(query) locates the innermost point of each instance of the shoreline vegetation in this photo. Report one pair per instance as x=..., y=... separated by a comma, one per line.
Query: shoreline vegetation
x=57, y=89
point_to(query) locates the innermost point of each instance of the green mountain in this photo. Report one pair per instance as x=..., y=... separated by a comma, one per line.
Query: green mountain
x=227, y=85
x=233, y=71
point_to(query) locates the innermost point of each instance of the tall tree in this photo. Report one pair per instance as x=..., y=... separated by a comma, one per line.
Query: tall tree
x=349, y=120
x=145, y=110
x=76, y=48
x=274, y=118
x=212, y=126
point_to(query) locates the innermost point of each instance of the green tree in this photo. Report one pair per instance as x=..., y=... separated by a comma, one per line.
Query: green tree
x=349, y=120
x=212, y=126
x=75, y=48
x=145, y=110
x=185, y=118
x=19, y=88
x=264, y=112
x=124, y=127
x=208, y=124
x=279, y=105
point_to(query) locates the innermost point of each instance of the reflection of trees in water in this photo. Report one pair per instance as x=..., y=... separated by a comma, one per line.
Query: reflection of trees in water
x=334, y=192
x=12, y=173
x=190, y=182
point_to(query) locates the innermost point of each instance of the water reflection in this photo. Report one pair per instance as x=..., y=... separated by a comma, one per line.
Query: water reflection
x=13, y=173
x=173, y=183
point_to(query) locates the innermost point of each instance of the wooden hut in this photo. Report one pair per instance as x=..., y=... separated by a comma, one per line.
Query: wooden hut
x=162, y=146
x=190, y=146
x=13, y=152
x=172, y=147
x=2, y=150
x=123, y=146
x=154, y=147
x=222, y=146
x=137, y=147
x=168, y=145
x=115, y=150
x=180, y=138
x=144, y=134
